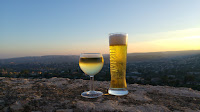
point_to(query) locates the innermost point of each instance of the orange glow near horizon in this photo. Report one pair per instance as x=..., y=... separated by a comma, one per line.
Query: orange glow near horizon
x=173, y=44
x=179, y=40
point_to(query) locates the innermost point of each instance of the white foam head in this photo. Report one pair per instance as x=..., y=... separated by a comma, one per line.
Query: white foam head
x=118, y=39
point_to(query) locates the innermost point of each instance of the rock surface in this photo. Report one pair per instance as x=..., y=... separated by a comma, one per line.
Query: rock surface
x=63, y=95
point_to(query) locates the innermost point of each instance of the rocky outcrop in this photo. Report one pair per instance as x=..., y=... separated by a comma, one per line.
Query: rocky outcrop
x=63, y=95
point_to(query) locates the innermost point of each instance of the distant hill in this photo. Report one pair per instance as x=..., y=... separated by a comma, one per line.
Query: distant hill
x=42, y=59
x=160, y=55
x=131, y=57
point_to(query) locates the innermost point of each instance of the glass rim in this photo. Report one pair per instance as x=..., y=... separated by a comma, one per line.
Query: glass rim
x=121, y=33
x=91, y=55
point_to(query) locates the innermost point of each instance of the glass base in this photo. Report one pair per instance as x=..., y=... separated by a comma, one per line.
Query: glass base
x=92, y=94
x=118, y=91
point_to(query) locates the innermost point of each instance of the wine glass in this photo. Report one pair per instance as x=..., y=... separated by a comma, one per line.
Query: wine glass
x=91, y=64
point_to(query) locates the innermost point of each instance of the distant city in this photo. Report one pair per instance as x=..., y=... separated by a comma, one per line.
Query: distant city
x=177, y=68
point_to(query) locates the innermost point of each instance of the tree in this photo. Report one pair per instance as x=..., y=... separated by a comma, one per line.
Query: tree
x=165, y=79
x=189, y=78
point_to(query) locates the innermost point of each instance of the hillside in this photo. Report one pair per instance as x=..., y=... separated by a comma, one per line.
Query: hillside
x=160, y=55
x=131, y=57
x=42, y=59
x=63, y=95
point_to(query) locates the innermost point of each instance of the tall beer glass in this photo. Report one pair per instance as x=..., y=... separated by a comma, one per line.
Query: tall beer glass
x=118, y=52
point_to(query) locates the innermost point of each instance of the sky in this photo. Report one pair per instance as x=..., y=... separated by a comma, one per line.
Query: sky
x=71, y=27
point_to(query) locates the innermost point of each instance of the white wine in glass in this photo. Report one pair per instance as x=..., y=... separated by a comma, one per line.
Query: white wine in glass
x=91, y=64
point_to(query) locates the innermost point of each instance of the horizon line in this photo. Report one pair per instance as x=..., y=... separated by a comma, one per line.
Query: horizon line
x=103, y=54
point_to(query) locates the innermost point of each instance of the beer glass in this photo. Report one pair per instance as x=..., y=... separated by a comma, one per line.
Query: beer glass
x=118, y=54
x=91, y=64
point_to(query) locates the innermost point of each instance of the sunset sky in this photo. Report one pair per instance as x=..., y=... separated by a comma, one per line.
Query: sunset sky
x=68, y=27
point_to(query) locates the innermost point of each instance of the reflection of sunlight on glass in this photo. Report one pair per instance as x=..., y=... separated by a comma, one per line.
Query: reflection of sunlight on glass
x=106, y=94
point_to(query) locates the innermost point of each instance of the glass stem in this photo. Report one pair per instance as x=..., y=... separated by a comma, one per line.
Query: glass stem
x=91, y=83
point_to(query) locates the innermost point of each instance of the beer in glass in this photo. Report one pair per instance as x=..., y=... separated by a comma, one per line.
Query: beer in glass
x=118, y=54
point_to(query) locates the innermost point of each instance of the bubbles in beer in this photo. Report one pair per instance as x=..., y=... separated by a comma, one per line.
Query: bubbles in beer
x=118, y=52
